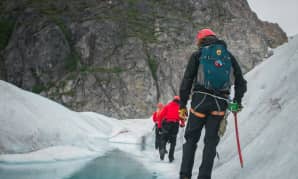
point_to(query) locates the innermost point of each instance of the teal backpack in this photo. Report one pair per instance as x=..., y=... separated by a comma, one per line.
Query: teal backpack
x=215, y=69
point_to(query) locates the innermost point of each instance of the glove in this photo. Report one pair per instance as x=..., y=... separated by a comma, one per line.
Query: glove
x=183, y=113
x=235, y=107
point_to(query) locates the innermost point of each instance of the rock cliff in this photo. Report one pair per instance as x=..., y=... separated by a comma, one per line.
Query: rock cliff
x=120, y=57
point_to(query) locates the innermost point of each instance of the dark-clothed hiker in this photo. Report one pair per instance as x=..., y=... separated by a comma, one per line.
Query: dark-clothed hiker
x=155, y=120
x=168, y=125
x=210, y=73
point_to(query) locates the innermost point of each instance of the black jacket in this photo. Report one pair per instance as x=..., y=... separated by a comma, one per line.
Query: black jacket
x=190, y=74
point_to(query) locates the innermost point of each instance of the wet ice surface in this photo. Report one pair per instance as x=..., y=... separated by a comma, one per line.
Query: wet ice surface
x=52, y=170
x=114, y=165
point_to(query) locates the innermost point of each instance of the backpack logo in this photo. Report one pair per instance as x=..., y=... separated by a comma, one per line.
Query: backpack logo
x=215, y=69
x=218, y=63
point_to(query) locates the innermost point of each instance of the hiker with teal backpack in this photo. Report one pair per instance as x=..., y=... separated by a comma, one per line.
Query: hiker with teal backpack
x=209, y=75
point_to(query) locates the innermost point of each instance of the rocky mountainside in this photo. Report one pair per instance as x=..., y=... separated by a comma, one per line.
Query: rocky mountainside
x=119, y=57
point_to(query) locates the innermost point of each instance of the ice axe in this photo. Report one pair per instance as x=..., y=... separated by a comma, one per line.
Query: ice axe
x=234, y=108
x=238, y=141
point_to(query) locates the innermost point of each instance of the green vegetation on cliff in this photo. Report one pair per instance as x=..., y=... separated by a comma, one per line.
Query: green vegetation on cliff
x=6, y=28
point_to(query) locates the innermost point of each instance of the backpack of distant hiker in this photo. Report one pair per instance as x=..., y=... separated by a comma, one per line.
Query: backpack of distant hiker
x=215, y=70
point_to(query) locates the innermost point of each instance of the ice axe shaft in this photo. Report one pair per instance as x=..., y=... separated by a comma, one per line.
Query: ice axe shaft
x=238, y=141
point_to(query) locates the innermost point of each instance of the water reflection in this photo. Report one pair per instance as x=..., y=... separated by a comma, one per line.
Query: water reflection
x=114, y=165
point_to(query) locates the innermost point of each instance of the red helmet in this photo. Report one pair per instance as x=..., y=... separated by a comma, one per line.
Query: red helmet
x=160, y=105
x=176, y=97
x=204, y=33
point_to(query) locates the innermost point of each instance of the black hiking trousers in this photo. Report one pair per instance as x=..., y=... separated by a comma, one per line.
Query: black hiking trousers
x=205, y=104
x=157, y=137
x=169, y=134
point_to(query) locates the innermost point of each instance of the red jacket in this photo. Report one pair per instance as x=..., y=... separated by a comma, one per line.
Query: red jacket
x=170, y=113
x=155, y=116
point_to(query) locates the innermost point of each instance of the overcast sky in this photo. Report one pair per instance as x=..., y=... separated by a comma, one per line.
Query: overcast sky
x=283, y=12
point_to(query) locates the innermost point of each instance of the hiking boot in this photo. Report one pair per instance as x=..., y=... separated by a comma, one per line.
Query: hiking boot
x=171, y=158
x=162, y=154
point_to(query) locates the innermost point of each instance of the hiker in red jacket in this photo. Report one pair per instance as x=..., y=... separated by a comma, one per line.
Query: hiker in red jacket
x=168, y=125
x=155, y=120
